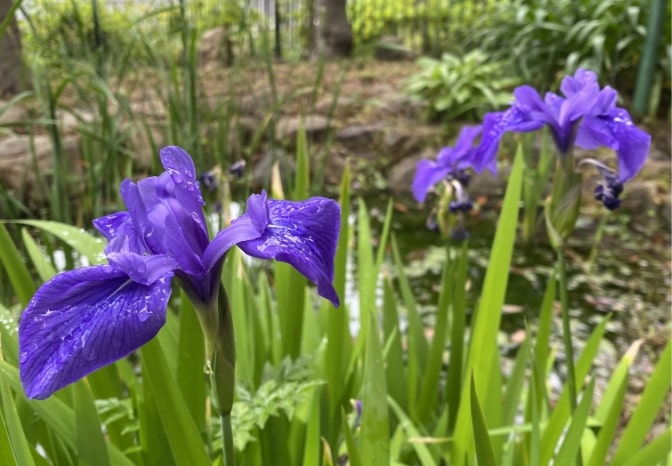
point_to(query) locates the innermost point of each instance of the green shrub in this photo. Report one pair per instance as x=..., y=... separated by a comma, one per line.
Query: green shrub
x=461, y=87
x=547, y=38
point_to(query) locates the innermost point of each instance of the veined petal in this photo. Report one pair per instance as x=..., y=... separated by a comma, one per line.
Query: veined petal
x=122, y=234
x=182, y=170
x=143, y=269
x=241, y=229
x=617, y=131
x=305, y=235
x=82, y=320
x=427, y=174
x=495, y=124
x=465, y=141
x=110, y=225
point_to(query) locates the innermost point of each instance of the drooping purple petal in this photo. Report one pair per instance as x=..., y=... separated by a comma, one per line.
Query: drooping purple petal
x=427, y=174
x=495, y=124
x=617, y=132
x=82, y=320
x=241, y=229
x=464, y=145
x=303, y=234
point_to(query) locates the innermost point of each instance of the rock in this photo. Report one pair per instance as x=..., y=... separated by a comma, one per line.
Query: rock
x=69, y=122
x=22, y=159
x=212, y=48
x=488, y=185
x=262, y=171
x=400, y=176
x=655, y=169
x=403, y=140
x=639, y=199
x=346, y=107
x=316, y=127
x=390, y=48
x=148, y=108
x=362, y=141
x=12, y=115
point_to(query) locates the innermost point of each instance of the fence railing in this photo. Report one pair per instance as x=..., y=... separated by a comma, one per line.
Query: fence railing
x=426, y=26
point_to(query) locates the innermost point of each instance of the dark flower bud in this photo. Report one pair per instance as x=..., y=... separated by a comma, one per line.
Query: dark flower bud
x=237, y=168
x=209, y=180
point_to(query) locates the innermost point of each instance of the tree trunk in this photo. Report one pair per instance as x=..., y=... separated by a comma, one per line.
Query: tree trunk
x=13, y=75
x=335, y=32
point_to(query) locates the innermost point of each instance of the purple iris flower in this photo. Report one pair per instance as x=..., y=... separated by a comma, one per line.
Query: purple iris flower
x=84, y=319
x=586, y=116
x=451, y=164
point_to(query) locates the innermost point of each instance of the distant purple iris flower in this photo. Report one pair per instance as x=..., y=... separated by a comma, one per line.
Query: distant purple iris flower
x=84, y=319
x=586, y=116
x=451, y=163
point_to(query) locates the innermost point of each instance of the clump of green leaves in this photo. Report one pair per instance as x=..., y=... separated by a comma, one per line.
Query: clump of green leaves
x=457, y=87
x=546, y=38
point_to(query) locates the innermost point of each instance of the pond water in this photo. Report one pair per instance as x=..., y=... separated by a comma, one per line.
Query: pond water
x=630, y=276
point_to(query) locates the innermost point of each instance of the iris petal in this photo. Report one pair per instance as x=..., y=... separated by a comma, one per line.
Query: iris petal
x=427, y=174
x=495, y=124
x=305, y=235
x=143, y=269
x=82, y=320
x=617, y=132
x=110, y=225
x=242, y=229
x=181, y=169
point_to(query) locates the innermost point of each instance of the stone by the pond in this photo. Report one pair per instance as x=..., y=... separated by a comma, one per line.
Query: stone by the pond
x=315, y=126
x=400, y=177
x=12, y=115
x=262, y=171
x=70, y=122
x=21, y=159
x=361, y=141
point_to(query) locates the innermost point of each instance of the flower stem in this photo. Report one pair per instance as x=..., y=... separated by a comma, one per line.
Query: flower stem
x=227, y=438
x=566, y=329
x=567, y=337
x=222, y=360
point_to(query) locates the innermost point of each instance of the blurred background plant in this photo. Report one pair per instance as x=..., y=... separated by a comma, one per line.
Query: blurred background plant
x=461, y=88
x=544, y=39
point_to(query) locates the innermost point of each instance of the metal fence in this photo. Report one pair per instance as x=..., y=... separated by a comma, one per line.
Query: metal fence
x=425, y=26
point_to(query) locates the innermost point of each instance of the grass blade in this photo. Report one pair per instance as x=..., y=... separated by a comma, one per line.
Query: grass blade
x=655, y=452
x=374, y=435
x=483, y=343
x=56, y=415
x=484, y=450
x=608, y=413
x=570, y=446
x=80, y=240
x=14, y=448
x=42, y=265
x=91, y=446
x=647, y=409
x=183, y=436
x=20, y=278
x=354, y=458
x=191, y=376
x=405, y=422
